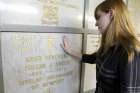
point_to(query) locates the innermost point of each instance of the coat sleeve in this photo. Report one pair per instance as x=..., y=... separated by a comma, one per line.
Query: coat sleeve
x=129, y=75
x=89, y=58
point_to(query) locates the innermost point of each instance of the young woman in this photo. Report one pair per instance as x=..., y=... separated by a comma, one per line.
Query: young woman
x=118, y=57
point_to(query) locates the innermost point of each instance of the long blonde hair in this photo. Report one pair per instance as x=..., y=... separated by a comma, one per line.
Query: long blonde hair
x=120, y=30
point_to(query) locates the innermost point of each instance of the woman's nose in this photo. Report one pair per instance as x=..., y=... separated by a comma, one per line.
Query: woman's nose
x=96, y=24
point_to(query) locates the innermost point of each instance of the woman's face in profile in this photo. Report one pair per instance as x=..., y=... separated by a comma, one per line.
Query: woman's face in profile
x=102, y=21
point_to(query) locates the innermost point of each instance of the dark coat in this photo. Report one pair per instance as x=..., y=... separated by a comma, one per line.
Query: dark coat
x=114, y=74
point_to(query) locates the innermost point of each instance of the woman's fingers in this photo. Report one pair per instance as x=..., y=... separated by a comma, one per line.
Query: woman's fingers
x=65, y=42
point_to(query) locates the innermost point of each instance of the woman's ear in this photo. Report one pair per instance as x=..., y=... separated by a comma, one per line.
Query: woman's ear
x=111, y=12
